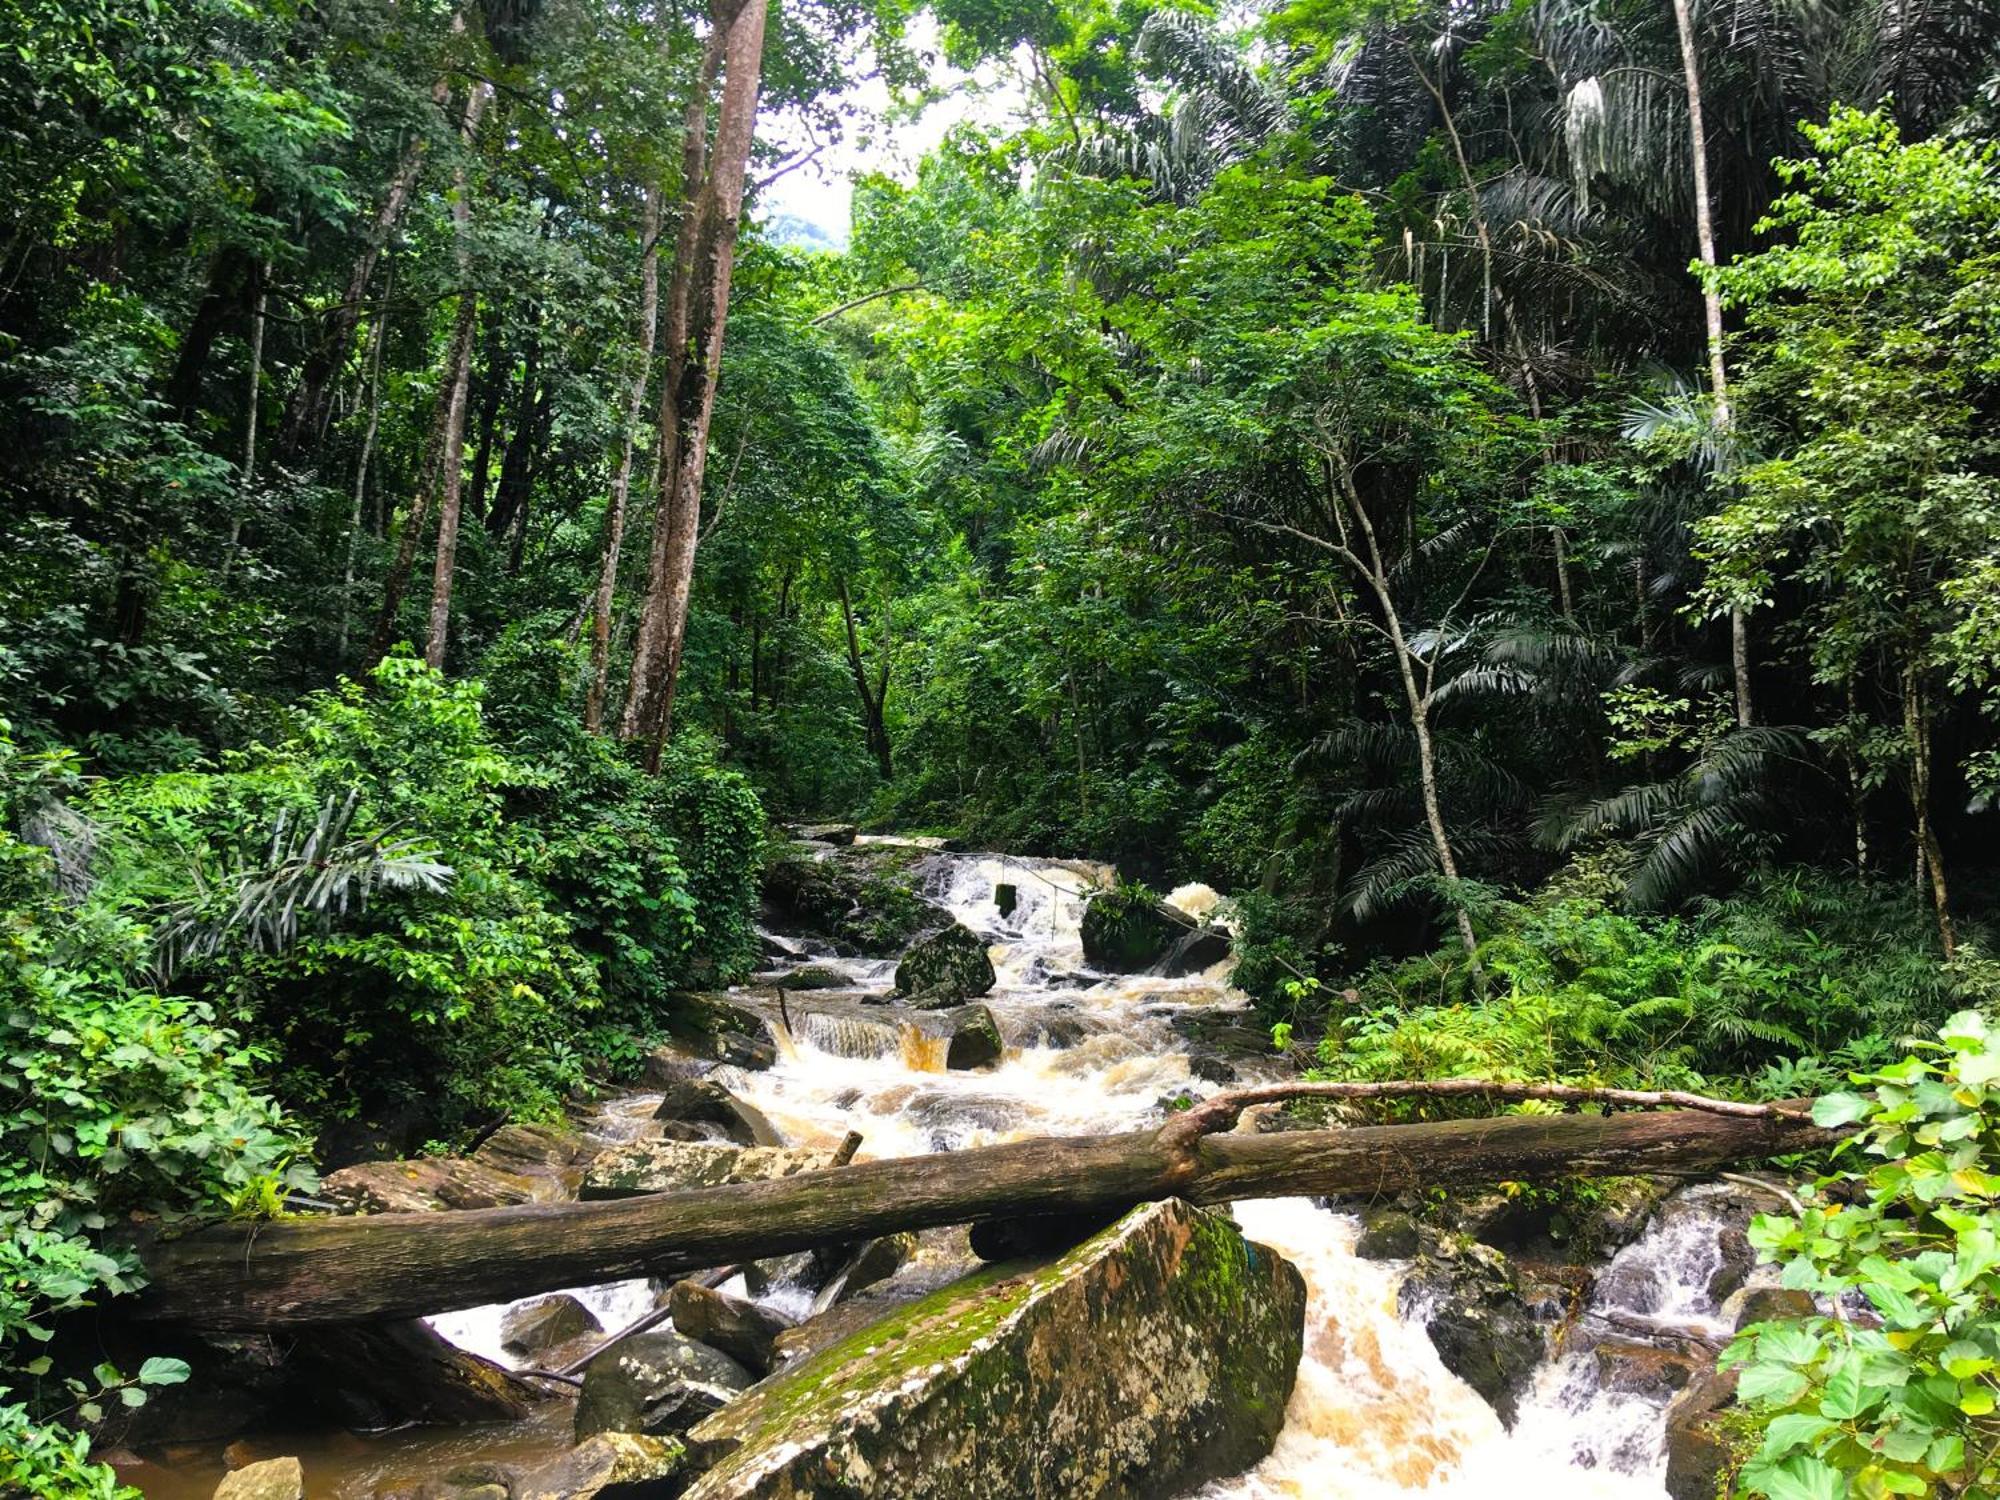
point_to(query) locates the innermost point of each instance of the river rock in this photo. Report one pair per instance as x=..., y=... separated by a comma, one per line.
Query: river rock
x=670, y=1166
x=1646, y=1369
x=741, y=1329
x=945, y=967
x=430, y=1183
x=1388, y=1234
x=812, y=977
x=1155, y=1356
x=544, y=1324
x=823, y=833
x=863, y=899
x=1131, y=933
x=1703, y=1455
x=870, y=1262
x=1768, y=1304
x=273, y=1479
x=658, y=1384
x=614, y=1462
x=1471, y=1306
x=705, y=1102
x=711, y=1028
x=974, y=1038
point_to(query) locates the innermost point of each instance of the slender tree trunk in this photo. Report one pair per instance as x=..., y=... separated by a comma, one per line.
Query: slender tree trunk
x=663, y=627
x=1857, y=791
x=451, y=475
x=492, y=388
x=247, y=471
x=872, y=700
x=226, y=271
x=377, y=338
x=1478, y=209
x=1930, y=857
x=1419, y=701
x=621, y=480
x=1711, y=303
x=517, y=464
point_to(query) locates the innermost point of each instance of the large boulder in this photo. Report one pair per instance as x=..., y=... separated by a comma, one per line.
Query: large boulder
x=658, y=1384
x=670, y=1166
x=865, y=898
x=1703, y=1450
x=545, y=1323
x=1155, y=1356
x=708, y=1027
x=1130, y=932
x=706, y=1102
x=1483, y=1330
x=945, y=967
x=741, y=1329
x=972, y=1039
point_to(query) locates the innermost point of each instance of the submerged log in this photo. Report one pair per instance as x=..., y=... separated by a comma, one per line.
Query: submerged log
x=333, y=1270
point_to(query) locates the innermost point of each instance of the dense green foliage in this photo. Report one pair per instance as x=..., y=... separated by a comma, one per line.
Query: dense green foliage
x=1290, y=455
x=1904, y=1403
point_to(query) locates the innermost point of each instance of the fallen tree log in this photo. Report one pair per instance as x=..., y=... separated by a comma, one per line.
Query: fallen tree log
x=348, y=1269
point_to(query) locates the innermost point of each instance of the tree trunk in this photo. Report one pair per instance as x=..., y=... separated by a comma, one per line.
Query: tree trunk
x=1711, y=304
x=621, y=479
x=378, y=338
x=345, y=1269
x=252, y=397
x=698, y=311
x=872, y=717
x=451, y=473
x=1930, y=857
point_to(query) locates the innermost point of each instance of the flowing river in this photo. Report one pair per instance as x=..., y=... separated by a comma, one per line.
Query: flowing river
x=1373, y=1414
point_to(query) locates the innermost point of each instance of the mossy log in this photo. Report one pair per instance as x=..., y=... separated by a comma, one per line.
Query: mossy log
x=352, y=1269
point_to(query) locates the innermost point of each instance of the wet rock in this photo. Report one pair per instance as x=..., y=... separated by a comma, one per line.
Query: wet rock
x=712, y=1028
x=870, y=1262
x=1127, y=933
x=812, y=977
x=1035, y=1236
x=1211, y=1070
x=974, y=1038
x=1053, y=1031
x=803, y=1269
x=945, y=967
x=473, y=1481
x=1769, y=1304
x=1388, y=1234
x=238, y=1380
x=1703, y=1455
x=863, y=899
x=381, y=1374
x=273, y=1479
x=543, y=1324
x=1131, y=933
x=1483, y=1331
x=1006, y=896
x=839, y=834
x=532, y=1149
x=823, y=1330
x=669, y=1166
x=431, y=1183
x=609, y=1464
x=1645, y=1369
x=1221, y=1033
x=658, y=1384
x=1738, y=1260
x=985, y=1390
x=742, y=1330
x=706, y=1102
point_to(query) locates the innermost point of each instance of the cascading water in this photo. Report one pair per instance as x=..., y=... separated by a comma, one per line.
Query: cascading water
x=1374, y=1412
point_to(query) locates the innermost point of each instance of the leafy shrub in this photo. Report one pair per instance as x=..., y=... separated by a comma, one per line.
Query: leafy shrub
x=114, y=1099
x=1906, y=1407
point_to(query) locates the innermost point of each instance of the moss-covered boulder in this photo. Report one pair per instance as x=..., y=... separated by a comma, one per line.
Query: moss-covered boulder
x=946, y=967
x=1129, y=931
x=669, y=1166
x=986, y=1390
x=867, y=898
x=1483, y=1330
x=972, y=1038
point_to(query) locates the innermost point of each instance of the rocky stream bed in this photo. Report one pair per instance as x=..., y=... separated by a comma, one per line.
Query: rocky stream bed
x=926, y=1002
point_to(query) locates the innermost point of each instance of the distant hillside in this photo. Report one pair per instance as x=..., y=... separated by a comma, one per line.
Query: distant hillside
x=790, y=229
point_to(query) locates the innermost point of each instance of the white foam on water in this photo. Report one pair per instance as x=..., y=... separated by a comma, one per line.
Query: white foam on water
x=1374, y=1413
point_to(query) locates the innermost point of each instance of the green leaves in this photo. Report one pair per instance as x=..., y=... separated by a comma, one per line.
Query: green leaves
x=1892, y=1410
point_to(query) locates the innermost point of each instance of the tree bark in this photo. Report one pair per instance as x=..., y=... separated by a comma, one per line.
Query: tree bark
x=1930, y=857
x=451, y=473
x=698, y=311
x=872, y=700
x=378, y=337
x=621, y=479
x=1711, y=304
x=332, y=1270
